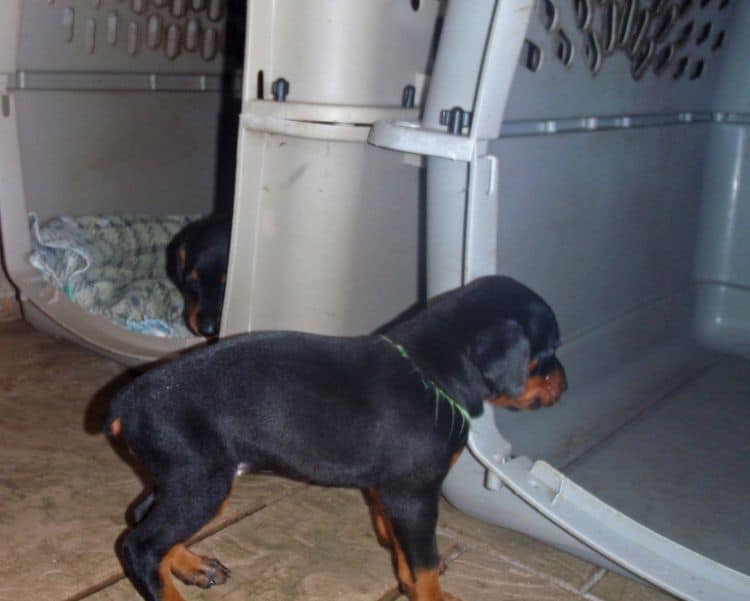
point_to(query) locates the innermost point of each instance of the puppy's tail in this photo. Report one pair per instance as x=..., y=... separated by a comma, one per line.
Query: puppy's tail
x=113, y=424
x=113, y=427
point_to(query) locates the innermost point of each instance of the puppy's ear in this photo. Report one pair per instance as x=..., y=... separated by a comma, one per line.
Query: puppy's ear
x=176, y=256
x=502, y=354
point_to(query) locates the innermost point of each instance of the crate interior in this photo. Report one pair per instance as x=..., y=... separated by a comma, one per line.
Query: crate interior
x=625, y=202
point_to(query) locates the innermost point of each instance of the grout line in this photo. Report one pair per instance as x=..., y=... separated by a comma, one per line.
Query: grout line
x=202, y=535
x=559, y=582
x=96, y=588
x=593, y=580
x=554, y=580
x=454, y=552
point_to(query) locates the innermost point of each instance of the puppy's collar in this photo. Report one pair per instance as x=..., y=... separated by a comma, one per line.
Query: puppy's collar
x=440, y=393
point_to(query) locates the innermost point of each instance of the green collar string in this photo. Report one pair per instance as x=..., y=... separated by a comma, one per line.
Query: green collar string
x=440, y=393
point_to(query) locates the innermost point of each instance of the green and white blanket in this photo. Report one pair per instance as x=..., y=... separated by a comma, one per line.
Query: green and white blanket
x=115, y=267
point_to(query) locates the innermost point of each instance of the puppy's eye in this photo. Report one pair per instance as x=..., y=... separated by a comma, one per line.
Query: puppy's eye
x=547, y=377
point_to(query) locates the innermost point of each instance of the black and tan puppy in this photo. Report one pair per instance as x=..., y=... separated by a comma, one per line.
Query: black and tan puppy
x=197, y=261
x=388, y=414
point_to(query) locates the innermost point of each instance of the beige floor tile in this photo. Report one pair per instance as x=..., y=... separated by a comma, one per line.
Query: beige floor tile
x=537, y=556
x=614, y=587
x=480, y=575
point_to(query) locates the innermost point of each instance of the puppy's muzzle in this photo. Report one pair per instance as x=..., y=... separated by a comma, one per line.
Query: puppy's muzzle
x=542, y=389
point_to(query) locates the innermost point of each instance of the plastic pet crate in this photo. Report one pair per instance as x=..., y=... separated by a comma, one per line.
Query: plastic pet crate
x=113, y=108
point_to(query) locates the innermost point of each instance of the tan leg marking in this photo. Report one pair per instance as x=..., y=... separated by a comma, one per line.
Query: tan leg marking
x=223, y=507
x=379, y=520
x=190, y=568
x=169, y=592
x=426, y=586
x=184, y=564
x=197, y=570
x=192, y=317
x=384, y=529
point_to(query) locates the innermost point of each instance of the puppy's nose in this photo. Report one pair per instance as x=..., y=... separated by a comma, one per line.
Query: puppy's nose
x=209, y=328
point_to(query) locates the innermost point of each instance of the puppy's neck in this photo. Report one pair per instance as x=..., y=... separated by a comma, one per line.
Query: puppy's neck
x=441, y=396
x=442, y=358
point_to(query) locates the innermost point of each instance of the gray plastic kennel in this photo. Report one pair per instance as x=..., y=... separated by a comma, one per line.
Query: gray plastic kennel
x=594, y=149
x=113, y=109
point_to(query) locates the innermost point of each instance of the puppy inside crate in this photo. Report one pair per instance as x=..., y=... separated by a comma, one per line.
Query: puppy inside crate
x=197, y=260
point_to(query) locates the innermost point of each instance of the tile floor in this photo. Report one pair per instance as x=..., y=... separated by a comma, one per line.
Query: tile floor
x=64, y=490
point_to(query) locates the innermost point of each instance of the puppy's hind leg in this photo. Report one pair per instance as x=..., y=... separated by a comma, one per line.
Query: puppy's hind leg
x=155, y=547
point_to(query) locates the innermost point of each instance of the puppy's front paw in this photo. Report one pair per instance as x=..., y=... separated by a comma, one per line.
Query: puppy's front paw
x=213, y=572
x=203, y=572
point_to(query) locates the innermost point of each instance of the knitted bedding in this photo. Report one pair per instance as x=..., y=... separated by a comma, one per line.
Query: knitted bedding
x=114, y=266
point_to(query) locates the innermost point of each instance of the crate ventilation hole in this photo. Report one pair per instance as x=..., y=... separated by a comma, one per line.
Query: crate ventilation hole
x=171, y=26
x=659, y=35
